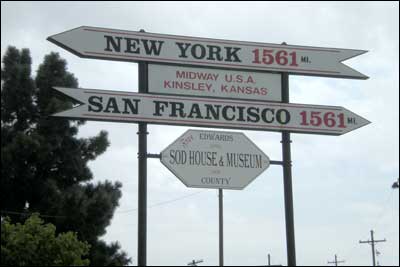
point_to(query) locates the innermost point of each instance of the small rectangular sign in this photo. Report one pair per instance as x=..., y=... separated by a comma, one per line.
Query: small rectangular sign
x=214, y=83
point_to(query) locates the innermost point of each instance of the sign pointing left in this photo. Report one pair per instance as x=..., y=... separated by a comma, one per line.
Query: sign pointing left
x=111, y=44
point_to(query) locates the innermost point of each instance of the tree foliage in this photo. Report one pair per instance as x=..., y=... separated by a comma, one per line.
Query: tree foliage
x=43, y=161
x=36, y=243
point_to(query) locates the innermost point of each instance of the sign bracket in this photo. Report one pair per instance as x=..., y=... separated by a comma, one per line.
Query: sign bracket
x=153, y=156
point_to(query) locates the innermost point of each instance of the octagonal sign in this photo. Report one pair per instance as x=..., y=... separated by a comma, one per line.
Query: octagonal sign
x=214, y=159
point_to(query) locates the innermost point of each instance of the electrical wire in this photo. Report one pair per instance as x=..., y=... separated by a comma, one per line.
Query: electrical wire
x=162, y=203
x=5, y=212
x=30, y=213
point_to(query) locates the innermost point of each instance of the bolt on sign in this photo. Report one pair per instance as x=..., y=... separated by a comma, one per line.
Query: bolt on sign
x=214, y=159
x=120, y=106
x=111, y=44
x=214, y=83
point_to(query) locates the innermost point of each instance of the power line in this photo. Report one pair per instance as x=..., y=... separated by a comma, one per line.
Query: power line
x=30, y=213
x=5, y=212
x=372, y=242
x=385, y=207
x=163, y=202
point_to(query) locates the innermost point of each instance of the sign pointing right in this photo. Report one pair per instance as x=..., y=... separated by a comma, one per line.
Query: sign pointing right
x=104, y=105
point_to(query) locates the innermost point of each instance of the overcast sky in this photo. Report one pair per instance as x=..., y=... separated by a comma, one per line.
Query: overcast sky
x=341, y=184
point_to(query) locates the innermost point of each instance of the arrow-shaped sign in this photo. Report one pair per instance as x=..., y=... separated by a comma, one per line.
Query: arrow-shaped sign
x=110, y=44
x=120, y=106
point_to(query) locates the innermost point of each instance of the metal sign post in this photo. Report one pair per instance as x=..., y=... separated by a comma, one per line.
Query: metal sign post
x=287, y=181
x=142, y=175
x=221, y=227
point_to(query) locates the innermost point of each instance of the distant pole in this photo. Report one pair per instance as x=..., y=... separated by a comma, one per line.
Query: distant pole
x=372, y=242
x=269, y=261
x=194, y=262
x=221, y=228
x=373, y=248
x=336, y=261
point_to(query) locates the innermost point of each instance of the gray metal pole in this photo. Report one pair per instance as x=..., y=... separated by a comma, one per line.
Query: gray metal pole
x=373, y=247
x=142, y=174
x=287, y=181
x=221, y=228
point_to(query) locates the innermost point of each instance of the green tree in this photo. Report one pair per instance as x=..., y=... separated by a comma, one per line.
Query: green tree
x=43, y=162
x=36, y=243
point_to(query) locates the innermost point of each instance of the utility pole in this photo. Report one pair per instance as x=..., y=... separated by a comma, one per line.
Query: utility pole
x=336, y=261
x=372, y=242
x=194, y=262
x=269, y=261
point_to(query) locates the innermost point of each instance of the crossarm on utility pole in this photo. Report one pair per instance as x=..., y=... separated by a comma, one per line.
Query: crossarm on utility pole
x=372, y=242
x=335, y=261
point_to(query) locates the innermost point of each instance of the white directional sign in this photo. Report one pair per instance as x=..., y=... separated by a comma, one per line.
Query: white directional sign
x=211, y=159
x=110, y=44
x=120, y=106
x=178, y=80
